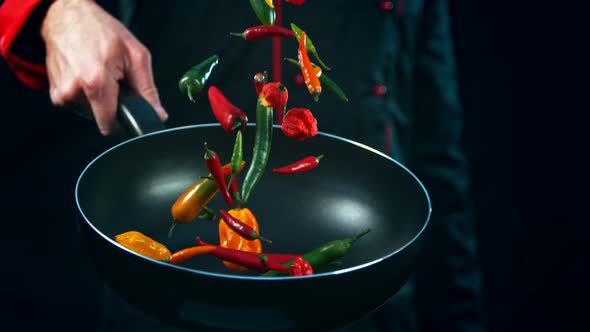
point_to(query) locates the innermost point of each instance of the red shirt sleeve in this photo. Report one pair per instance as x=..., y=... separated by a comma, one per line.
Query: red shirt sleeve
x=13, y=16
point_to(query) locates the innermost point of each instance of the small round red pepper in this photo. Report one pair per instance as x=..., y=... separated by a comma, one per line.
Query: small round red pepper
x=274, y=95
x=300, y=267
x=299, y=124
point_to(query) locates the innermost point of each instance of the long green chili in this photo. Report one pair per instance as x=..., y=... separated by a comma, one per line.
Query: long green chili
x=261, y=153
x=193, y=81
x=324, y=255
x=265, y=14
x=325, y=80
x=308, y=45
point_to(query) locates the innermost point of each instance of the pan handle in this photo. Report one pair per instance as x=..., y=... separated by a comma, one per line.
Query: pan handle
x=137, y=116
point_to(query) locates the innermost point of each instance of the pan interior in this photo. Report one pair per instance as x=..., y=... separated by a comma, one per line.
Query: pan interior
x=134, y=185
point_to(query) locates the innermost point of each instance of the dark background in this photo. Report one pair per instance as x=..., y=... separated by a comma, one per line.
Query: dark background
x=526, y=148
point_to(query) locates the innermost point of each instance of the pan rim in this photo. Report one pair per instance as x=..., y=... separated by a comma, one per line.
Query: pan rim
x=256, y=278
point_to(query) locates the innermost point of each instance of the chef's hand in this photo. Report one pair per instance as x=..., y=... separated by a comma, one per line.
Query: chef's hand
x=88, y=53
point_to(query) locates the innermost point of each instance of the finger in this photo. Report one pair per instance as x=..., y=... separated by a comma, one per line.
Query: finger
x=140, y=77
x=102, y=95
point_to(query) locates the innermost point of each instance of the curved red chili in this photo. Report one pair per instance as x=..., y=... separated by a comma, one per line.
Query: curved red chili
x=300, y=166
x=263, y=31
x=214, y=166
x=247, y=259
x=231, y=117
x=241, y=228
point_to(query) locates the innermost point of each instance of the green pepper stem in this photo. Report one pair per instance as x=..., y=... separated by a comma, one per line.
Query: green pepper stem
x=188, y=92
x=319, y=157
x=238, y=34
x=172, y=227
x=361, y=235
x=258, y=237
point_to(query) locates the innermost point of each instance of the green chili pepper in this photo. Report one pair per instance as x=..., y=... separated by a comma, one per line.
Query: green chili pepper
x=325, y=80
x=325, y=254
x=265, y=14
x=236, y=157
x=193, y=81
x=308, y=45
x=262, y=143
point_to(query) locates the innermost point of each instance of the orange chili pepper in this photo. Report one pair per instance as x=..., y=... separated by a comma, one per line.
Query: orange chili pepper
x=188, y=253
x=312, y=80
x=232, y=240
x=143, y=245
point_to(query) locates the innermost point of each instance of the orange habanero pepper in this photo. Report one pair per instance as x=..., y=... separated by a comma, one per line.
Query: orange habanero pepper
x=232, y=240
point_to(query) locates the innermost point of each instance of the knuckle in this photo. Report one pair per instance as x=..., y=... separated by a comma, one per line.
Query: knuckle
x=141, y=54
x=92, y=83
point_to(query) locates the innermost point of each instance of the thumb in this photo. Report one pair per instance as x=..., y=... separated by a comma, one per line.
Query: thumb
x=140, y=77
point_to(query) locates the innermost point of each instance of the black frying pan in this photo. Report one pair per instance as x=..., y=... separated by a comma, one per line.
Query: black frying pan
x=133, y=185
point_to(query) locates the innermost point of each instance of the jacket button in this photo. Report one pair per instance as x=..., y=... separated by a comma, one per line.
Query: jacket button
x=385, y=5
x=298, y=80
x=379, y=90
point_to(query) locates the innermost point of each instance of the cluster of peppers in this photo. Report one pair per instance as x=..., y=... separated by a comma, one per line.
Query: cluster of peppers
x=240, y=245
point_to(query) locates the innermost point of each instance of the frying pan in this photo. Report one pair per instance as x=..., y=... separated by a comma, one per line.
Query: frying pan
x=133, y=185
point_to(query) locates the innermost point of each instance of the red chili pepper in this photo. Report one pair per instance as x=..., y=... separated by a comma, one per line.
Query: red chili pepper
x=272, y=265
x=312, y=80
x=274, y=95
x=241, y=228
x=235, y=190
x=300, y=166
x=214, y=166
x=259, y=82
x=296, y=2
x=228, y=115
x=300, y=267
x=264, y=31
x=299, y=124
x=247, y=259
x=252, y=257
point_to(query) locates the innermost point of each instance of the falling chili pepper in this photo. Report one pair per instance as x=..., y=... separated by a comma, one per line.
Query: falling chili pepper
x=193, y=81
x=324, y=80
x=296, y=2
x=263, y=31
x=300, y=267
x=261, y=153
x=188, y=253
x=231, y=117
x=265, y=14
x=275, y=95
x=259, y=82
x=214, y=165
x=143, y=245
x=308, y=44
x=272, y=265
x=312, y=81
x=228, y=238
x=194, y=199
x=300, y=166
x=241, y=228
x=325, y=253
x=246, y=259
x=299, y=124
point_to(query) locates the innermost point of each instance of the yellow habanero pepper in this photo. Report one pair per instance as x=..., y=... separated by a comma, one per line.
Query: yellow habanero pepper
x=143, y=245
x=232, y=240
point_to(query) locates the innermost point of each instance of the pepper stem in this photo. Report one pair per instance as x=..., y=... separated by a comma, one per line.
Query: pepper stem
x=361, y=235
x=188, y=92
x=319, y=157
x=174, y=223
x=316, y=96
x=257, y=236
x=238, y=34
x=209, y=154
